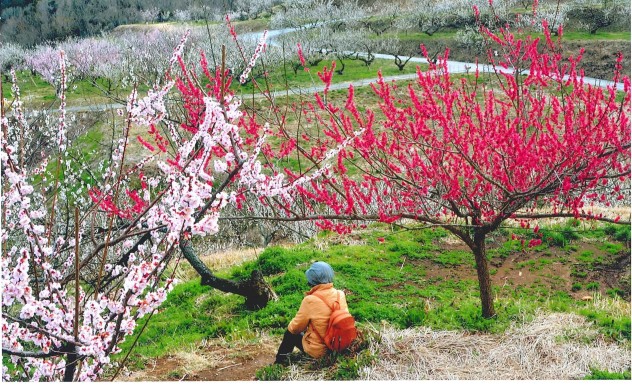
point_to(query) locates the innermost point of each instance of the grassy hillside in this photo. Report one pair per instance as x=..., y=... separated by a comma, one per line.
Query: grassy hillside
x=407, y=278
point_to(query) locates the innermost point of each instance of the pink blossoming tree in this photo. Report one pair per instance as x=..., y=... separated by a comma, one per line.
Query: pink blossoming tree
x=82, y=262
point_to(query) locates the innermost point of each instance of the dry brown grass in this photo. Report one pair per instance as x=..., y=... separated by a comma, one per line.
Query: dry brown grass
x=218, y=261
x=608, y=212
x=229, y=258
x=553, y=346
x=166, y=26
x=613, y=306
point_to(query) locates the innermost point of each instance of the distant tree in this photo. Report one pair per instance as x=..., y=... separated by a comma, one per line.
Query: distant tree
x=150, y=14
x=312, y=43
x=401, y=53
x=11, y=56
x=44, y=13
x=17, y=26
x=4, y=4
x=301, y=14
x=492, y=14
x=57, y=19
x=429, y=16
x=526, y=4
x=42, y=60
x=250, y=9
x=182, y=15
x=594, y=15
x=99, y=61
x=432, y=16
x=383, y=17
x=470, y=39
x=555, y=15
x=353, y=44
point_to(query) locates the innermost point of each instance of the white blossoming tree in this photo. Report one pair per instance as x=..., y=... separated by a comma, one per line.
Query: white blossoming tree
x=87, y=253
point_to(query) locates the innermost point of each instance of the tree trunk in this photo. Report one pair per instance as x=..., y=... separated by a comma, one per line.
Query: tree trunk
x=401, y=63
x=256, y=291
x=71, y=364
x=484, y=280
x=342, y=69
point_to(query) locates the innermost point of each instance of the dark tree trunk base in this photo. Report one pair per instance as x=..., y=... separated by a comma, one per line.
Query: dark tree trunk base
x=255, y=289
x=484, y=280
x=260, y=292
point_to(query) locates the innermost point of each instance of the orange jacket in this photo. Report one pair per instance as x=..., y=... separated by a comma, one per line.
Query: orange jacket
x=314, y=314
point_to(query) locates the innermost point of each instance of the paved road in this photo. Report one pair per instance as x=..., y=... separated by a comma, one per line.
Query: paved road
x=275, y=94
x=454, y=67
x=335, y=86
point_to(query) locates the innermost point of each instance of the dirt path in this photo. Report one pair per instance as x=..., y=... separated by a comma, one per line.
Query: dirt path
x=210, y=361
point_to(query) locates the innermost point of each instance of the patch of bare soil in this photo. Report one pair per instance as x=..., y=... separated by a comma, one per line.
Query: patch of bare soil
x=211, y=361
x=237, y=369
x=614, y=273
x=554, y=268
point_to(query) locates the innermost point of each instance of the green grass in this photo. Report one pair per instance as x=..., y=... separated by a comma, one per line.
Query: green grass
x=611, y=248
x=241, y=26
x=283, y=78
x=271, y=373
x=34, y=90
x=618, y=232
x=586, y=257
x=385, y=283
x=559, y=236
x=592, y=286
x=584, y=35
x=617, y=328
x=507, y=248
x=603, y=374
x=83, y=153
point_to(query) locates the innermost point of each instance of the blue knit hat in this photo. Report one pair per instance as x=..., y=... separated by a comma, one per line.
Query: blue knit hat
x=319, y=273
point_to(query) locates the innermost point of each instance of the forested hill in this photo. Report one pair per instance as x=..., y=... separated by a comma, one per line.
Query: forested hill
x=29, y=22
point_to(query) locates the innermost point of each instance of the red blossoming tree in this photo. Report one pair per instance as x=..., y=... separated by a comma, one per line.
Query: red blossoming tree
x=531, y=140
